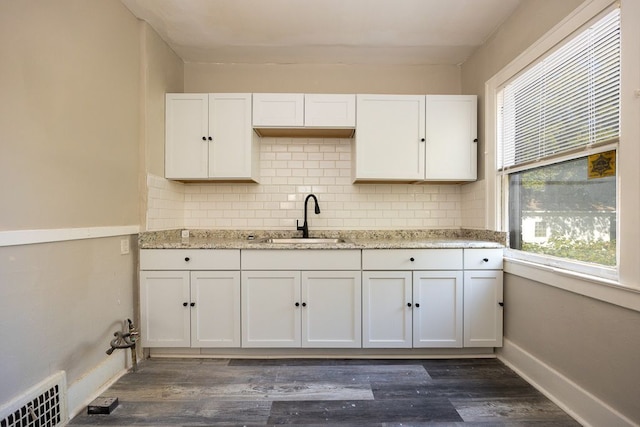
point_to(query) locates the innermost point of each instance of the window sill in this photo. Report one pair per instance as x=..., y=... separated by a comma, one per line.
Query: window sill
x=602, y=289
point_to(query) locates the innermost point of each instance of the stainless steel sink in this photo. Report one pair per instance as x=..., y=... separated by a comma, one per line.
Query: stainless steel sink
x=302, y=241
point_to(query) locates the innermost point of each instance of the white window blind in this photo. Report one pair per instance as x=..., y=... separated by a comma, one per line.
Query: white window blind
x=568, y=101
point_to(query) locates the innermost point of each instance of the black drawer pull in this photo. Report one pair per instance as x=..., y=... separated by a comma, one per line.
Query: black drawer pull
x=184, y=304
x=485, y=259
x=412, y=259
x=408, y=304
x=187, y=259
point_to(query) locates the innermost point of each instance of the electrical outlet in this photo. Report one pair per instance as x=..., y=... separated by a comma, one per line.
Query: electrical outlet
x=124, y=246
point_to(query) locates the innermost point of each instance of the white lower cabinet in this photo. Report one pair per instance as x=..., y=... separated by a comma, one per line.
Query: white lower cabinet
x=387, y=309
x=301, y=309
x=404, y=309
x=270, y=317
x=412, y=298
x=287, y=307
x=374, y=298
x=332, y=314
x=437, y=308
x=432, y=298
x=183, y=308
x=483, y=308
x=483, y=298
x=165, y=321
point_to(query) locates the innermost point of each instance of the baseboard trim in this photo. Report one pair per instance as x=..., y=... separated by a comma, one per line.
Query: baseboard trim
x=93, y=384
x=579, y=403
x=29, y=237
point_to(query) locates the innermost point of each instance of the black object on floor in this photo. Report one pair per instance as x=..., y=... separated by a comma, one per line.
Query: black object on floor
x=102, y=405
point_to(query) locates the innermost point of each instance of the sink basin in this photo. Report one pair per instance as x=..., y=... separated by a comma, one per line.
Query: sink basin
x=303, y=241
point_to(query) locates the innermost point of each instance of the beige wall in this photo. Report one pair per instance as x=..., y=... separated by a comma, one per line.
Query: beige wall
x=163, y=71
x=69, y=117
x=592, y=343
x=70, y=152
x=60, y=304
x=527, y=24
x=313, y=78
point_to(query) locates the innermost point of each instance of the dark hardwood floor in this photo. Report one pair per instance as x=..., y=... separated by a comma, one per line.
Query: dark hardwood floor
x=208, y=392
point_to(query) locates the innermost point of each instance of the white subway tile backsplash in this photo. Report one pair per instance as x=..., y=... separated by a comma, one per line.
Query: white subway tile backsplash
x=290, y=169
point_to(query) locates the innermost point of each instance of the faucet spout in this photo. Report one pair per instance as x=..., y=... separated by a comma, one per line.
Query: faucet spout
x=305, y=226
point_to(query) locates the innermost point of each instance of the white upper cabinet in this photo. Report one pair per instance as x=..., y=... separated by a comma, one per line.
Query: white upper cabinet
x=334, y=111
x=389, y=142
x=278, y=109
x=186, y=136
x=416, y=138
x=209, y=137
x=304, y=115
x=451, y=138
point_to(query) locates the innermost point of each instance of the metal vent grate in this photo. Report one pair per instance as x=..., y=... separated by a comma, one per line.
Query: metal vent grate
x=43, y=406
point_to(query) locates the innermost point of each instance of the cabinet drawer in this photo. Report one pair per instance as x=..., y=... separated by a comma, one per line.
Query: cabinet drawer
x=189, y=259
x=483, y=259
x=412, y=259
x=307, y=259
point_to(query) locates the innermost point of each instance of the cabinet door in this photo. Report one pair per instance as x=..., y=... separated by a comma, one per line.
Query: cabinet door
x=330, y=110
x=437, y=308
x=451, y=132
x=215, y=315
x=331, y=312
x=278, y=109
x=483, y=308
x=186, y=135
x=271, y=308
x=386, y=309
x=165, y=309
x=389, y=142
x=231, y=147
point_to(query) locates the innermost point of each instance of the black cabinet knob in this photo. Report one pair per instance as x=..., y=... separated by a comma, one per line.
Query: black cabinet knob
x=304, y=304
x=297, y=304
x=422, y=140
x=204, y=138
x=408, y=304
x=193, y=304
x=475, y=140
x=184, y=304
x=210, y=139
x=412, y=259
x=485, y=259
x=501, y=304
x=187, y=259
x=417, y=305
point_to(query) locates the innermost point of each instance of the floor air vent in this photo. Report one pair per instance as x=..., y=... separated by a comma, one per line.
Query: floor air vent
x=44, y=405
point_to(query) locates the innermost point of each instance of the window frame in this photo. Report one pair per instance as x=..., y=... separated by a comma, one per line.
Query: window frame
x=627, y=274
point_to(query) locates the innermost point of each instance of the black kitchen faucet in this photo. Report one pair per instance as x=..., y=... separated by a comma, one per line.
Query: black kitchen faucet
x=305, y=226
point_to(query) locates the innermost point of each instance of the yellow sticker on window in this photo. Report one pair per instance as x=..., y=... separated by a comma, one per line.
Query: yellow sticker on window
x=602, y=165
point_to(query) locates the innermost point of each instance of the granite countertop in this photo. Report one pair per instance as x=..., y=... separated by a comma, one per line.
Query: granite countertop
x=360, y=239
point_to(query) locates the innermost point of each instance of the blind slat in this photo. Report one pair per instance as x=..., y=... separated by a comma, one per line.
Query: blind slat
x=567, y=101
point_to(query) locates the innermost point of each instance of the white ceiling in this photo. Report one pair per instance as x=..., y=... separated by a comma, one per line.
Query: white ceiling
x=324, y=31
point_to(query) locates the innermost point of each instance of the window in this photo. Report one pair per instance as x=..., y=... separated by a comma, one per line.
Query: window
x=558, y=130
x=540, y=230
